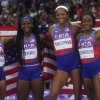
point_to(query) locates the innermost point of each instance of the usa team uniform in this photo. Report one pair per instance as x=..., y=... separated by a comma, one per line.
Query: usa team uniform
x=65, y=46
x=2, y=62
x=31, y=65
x=90, y=56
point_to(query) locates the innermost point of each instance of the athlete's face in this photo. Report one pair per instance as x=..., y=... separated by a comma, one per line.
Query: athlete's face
x=26, y=26
x=61, y=15
x=87, y=22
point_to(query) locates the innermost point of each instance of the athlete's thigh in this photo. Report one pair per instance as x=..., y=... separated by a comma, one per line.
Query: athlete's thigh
x=59, y=80
x=89, y=87
x=23, y=89
x=37, y=86
x=77, y=79
x=2, y=89
x=96, y=82
x=88, y=83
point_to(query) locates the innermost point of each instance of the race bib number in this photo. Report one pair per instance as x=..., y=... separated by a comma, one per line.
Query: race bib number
x=2, y=61
x=86, y=52
x=30, y=54
x=63, y=44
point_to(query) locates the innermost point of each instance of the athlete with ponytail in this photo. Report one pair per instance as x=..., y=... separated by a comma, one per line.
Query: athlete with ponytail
x=63, y=34
x=29, y=56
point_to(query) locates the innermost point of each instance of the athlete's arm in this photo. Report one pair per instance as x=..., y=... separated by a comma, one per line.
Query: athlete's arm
x=77, y=28
x=46, y=39
x=7, y=39
x=97, y=37
x=78, y=36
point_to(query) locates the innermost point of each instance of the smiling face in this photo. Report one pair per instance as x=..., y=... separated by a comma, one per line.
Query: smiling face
x=87, y=22
x=62, y=16
x=26, y=25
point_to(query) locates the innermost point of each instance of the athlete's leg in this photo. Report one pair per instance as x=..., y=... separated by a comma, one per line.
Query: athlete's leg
x=77, y=83
x=2, y=89
x=60, y=79
x=23, y=89
x=88, y=85
x=96, y=82
x=37, y=88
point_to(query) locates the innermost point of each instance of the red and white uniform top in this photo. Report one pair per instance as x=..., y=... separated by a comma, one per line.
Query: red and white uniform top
x=2, y=58
x=64, y=40
x=88, y=49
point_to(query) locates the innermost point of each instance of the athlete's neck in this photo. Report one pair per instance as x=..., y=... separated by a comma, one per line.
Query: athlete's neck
x=27, y=35
x=88, y=33
x=63, y=25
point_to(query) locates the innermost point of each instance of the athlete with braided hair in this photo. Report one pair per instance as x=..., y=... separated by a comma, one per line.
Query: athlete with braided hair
x=29, y=56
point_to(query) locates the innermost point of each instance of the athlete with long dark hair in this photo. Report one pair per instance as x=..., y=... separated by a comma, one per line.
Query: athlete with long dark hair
x=29, y=56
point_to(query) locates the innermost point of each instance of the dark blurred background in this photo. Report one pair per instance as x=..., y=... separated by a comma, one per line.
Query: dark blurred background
x=43, y=10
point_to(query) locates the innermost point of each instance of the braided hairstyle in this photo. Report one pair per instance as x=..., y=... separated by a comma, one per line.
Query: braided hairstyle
x=20, y=37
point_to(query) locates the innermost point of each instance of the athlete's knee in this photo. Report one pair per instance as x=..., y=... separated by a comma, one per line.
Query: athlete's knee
x=38, y=96
x=78, y=97
x=2, y=95
x=97, y=97
x=54, y=94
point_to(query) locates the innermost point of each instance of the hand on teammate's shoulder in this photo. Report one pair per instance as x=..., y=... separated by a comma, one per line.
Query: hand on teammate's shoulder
x=97, y=37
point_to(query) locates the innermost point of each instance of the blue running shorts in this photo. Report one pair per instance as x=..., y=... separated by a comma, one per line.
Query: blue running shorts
x=2, y=74
x=89, y=70
x=30, y=73
x=68, y=62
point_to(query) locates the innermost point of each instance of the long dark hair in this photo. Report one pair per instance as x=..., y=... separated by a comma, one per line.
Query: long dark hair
x=20, y=37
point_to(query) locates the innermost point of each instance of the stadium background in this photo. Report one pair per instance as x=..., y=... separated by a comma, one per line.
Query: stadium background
x=43, y=12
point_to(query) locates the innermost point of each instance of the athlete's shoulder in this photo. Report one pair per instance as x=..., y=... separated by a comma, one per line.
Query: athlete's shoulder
x=78, y=36
x=97, y=36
